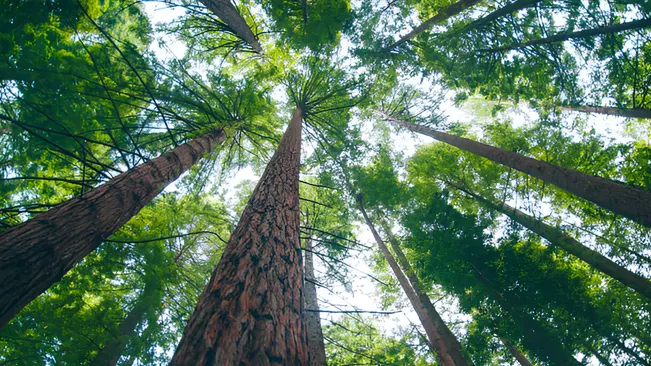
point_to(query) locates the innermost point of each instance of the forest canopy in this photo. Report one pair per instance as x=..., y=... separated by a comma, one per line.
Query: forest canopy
x=325, y=182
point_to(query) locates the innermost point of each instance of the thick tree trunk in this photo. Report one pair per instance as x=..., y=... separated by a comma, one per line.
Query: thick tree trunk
x=37, y=253
x=228, y=13
x=503, y=11
x=251, y=310
x=611, y=29
x=316, y=345
x=534, y=334
x=451, y=341
x=619, y=198
x=110, y=354
x=611, y=111
x=569, y=244
x=441, y=16
x=519, y=356
x=435, y=339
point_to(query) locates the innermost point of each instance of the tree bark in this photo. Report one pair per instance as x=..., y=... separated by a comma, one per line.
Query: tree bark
x=316, y=345
x=440, y=348
x=557, y=237
x=228, y=13
x=441, y=16
x=560, y=37
x=251, y=310
x=519, y=356
x=451, y=341
x=611, y=111
x=619, y=198
x=37, y=253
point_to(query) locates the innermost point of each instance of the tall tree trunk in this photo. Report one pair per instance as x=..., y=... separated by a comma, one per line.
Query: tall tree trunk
x=228, y=13
x=534, y=333
x=441, y=16
x=251, y=310
x=560, y=37
x=519, y=356
x=113, y=350
x=619, y=198
x=557, y=237
x=602, y=359
x=451, y=341
x=37, y=253
x=503, y=11
x=316, y=345
x=611, y=111
x=441, y=348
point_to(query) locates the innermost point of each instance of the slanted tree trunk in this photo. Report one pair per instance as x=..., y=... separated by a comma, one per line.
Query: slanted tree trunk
x=451, y=341
x=503, y=11
x=519, y=356
x=557, y=237
x=602, y=359
x=619, y=198
x=251, y=310
x=621, y=345
x=37, y=253
x=228, y=13
x=441, y=16
x=316, y=345
x=534, y=333
x=560, y=37
x=440, y=348
x=611, y=111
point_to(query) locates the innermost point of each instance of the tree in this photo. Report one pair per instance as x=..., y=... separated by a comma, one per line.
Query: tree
x=228, y=13
x=611, y=111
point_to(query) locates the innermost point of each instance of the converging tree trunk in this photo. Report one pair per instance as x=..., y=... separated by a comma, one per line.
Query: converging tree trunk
x=316, y=345
x=611, y=29
x=557, y=237
x=619, y=198
x=498, y=13
x=439, y=344
x=519, y=356
x=228, y=13
x=37, y=253
x=251, y=310
x=441, y=16
x=453, y=345
x=611, y=111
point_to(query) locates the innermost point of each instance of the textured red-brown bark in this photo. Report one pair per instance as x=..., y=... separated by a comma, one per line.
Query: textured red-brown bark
x=37, y=253
x=451, y=341
x=519, y=356
x=619, y=198
x=611, y=111
x=316, y=345
x=436, y=342
x=228, y=13
x=251, y=310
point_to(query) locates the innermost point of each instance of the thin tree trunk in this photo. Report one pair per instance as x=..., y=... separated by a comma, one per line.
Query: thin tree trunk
x=251, y=310
x=534, y=333
x=441, y=16
x=435, y=339
x=110, y=354
x=452, y=343
x=619, y=198
x=630, y=352
x=611, y=29
x=603, y=360
x=611, y=111
x=557, y=237
x=519, y=356
x=316, y=345
x=37, y=253
x=503, y=11
x=228, y=13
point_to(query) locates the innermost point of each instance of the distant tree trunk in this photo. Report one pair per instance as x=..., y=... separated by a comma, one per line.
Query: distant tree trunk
x=498, y=13
x=611, y=111
x=451, y=341
x=611, y=29
x=441, y=349
x=316, y=345
x=519, y=356
x=619, y=198
x=441, y=16
x=228, y=13
x=603, y=360
x=251, y=310
x=37, y=253
x=110, y=354
x=557, y=237
x=629, y=351
x=534, y=333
